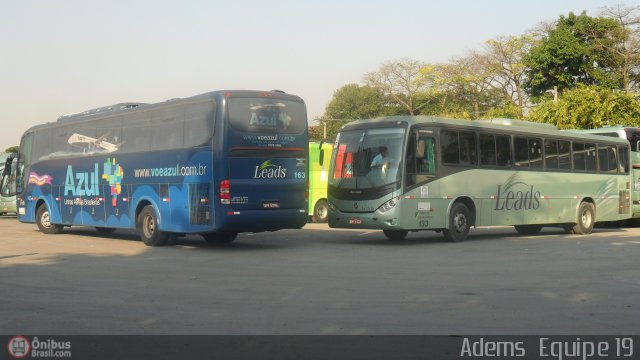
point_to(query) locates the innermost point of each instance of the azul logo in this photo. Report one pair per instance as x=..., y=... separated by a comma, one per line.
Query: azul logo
x=86, y=185
x=262, y=121
x=510, y=199
x=268, y=170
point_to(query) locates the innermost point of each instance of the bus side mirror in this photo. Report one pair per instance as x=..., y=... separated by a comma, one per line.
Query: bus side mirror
x=321, y=159
x=7, y=167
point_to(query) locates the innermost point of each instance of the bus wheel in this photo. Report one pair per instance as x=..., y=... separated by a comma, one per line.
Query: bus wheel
x=220, y=237
x=321, y=212
x=395, y=235
x=528, y=229
x=105, y=230
x=147, y=226
x=459, y=223
x=586, y=218
x=43, y=220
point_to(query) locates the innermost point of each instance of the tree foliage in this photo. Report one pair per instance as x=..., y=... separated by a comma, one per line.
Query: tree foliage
x=12, y=149
x=332, y=127
x=588, y=107
x=569, y=55
x=593, y=62
x=469, y=87
x=401, y=81
x=625, y=50
x=353, y=101
x=504, y=56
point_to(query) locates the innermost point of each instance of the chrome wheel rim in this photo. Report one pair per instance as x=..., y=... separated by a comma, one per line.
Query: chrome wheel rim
x=586, y=218
x=322, y=212
x=460, y=223
x=149, y=226
x=45, y=219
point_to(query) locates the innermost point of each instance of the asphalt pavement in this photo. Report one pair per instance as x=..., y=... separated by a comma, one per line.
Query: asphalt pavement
x=320, y=281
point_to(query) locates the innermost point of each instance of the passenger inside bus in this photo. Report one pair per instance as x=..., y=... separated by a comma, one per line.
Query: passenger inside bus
x=380, y=164
x=420, y=158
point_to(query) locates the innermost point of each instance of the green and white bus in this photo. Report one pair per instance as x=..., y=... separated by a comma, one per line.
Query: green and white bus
x=632, y=134
x=402, y=174
x=7, y=203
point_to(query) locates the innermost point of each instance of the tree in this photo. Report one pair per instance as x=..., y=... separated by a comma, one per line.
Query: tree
x=12, y=149
x=401, y=81
x=355, y=102
x=504, y=56
x=331, y=126
x=626, y=49
x=469, y=87
x=589, y=107
x=571, y=54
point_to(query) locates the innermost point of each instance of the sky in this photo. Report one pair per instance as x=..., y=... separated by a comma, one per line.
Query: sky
x=61, y=57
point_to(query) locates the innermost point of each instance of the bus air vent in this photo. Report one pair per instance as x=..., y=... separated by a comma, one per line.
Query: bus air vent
x=199, y=210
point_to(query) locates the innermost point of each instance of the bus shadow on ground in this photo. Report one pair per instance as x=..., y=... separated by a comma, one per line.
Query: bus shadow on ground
x=127, y=235
x=434, y=238
x=243, y=243
x=194, y=241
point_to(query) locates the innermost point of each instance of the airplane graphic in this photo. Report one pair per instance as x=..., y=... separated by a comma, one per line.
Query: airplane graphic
x=100, y=142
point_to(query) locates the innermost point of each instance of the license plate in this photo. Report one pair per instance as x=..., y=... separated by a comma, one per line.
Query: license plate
x=271, y=205
x=355, y=221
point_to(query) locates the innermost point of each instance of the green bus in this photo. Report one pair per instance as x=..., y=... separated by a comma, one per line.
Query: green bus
x=318, y=209
x=402, y=174
x=632, y=134
x=7, y=203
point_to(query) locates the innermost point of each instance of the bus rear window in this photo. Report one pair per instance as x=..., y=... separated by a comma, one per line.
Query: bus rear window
x=267, y=115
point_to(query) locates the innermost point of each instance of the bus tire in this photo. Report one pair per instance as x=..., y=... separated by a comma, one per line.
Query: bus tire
x=105, y=230
x=147, y=226
x=220, y=237
x=528, y=229
x=395, y=235
x=586, y=219
x=43, y=220
x=320, y=212
x=459, y=223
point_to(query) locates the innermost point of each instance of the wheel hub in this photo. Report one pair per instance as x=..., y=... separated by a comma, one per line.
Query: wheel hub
x=459, y=223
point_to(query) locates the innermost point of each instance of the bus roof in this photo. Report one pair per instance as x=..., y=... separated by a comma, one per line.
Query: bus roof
x=126, y=107
x=610, y=128
x=501, y=124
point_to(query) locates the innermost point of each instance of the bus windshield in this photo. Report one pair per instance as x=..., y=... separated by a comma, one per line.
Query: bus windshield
x=367, y=158
x=266, y=115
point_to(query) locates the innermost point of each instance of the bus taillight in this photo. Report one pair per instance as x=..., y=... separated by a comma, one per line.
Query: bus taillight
x=225, y=192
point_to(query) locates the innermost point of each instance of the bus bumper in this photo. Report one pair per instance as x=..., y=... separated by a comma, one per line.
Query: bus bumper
x=262, y=220
x=373, y=220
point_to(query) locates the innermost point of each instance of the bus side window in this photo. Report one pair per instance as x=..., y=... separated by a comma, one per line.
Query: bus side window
x=623, y=160
x=137, y=132
x=564, y=155
x=503, y=150
x=425, y=156
x=420, y=160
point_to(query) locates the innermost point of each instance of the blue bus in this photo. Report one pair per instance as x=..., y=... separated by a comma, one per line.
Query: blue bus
x=215, y=164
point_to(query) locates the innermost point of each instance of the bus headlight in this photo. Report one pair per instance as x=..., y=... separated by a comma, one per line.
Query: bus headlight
x=331, y=206
x=389, y=204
